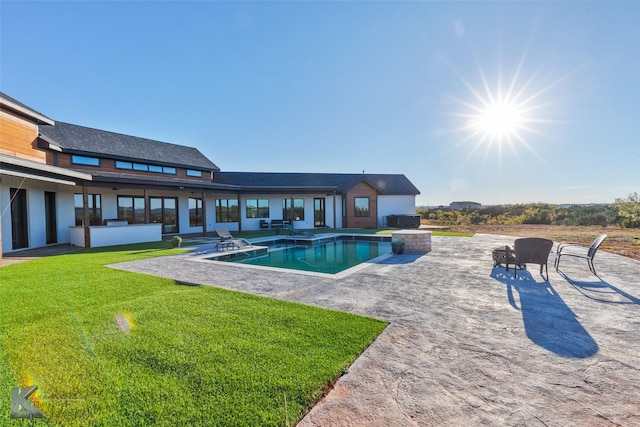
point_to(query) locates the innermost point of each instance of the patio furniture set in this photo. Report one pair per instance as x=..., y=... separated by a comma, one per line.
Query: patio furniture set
x=536, y=250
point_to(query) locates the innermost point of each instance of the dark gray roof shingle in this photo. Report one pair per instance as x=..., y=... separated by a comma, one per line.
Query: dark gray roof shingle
x=387, y=184
x=99, y=143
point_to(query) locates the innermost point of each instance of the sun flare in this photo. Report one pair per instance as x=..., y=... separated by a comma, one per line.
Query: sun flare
x=498, y=120
x=502, y=115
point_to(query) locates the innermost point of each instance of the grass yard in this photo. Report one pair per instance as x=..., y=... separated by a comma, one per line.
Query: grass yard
x=113, y=348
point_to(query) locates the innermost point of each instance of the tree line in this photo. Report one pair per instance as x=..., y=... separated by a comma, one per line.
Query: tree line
x=623, y=212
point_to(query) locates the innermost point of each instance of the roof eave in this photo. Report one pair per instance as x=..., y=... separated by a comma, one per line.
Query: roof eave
x=26, y=112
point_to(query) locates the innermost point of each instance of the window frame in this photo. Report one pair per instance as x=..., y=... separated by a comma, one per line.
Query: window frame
x=85, y=160
x=224, y=211
x=357, y=212
x=261, y=211
x=298, y=208
x=135, y=208
x=94, y=207
x=195, y=218
x=121, y=164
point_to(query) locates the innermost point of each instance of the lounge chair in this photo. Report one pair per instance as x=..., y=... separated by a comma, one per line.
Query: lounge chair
x=224, y=234
x=579, y=250
x=292, y=231
x=533, y=250
x=227, y=241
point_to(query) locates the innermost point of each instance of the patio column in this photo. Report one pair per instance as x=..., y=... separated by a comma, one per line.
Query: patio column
x=239, y=213
x=204, y=214
x=86, y=217
x=147, y=207
x=335, y=224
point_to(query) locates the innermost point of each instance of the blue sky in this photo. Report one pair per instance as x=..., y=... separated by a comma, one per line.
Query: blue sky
x=494, y=102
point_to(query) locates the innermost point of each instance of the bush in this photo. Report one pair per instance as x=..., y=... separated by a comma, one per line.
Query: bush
x=628, y=211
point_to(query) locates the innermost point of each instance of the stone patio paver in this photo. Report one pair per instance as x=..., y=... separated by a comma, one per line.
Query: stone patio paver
x=468, y=344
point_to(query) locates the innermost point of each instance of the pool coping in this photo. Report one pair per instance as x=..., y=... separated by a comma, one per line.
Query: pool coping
x=206, y=256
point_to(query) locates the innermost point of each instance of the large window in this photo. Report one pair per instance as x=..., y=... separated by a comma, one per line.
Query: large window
x=86, y=161
x=195, y=212
x=298, y=209
x=227, y=210
x=132, y=209
x=257, y=208
x=143, y=167
x=123, y=165
x=361, y=206
x=95, y=209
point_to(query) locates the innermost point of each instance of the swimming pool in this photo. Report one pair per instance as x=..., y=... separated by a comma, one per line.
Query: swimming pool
x=329, y=257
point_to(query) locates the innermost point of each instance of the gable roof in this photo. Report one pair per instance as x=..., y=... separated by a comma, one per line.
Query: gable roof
x=385, y=184
x=82, y=140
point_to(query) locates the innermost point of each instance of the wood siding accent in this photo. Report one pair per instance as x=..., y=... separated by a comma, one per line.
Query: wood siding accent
x=362, y=190
x=18, y=138
x=109, y=165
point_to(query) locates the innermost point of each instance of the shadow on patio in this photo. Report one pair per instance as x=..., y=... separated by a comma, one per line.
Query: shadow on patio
x=601, y=291
x=548, y=321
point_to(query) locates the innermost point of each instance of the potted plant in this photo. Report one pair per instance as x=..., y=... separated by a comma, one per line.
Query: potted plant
x=397, y=247
x=176, y=241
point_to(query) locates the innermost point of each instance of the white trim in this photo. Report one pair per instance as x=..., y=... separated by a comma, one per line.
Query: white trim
x=26, y=111
x=52, y=145
x=36, y=177
x=42, y=167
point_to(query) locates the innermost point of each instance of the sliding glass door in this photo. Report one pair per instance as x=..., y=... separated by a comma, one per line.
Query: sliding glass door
x=319, y=218
x=164, y=210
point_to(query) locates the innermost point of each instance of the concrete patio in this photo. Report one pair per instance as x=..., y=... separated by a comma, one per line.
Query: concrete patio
x=468, y=344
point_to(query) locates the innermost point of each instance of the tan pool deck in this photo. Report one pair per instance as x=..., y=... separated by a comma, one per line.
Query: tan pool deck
x=468, y=344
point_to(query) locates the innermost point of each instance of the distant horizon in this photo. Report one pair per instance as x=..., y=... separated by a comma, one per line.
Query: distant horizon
x=519, y=203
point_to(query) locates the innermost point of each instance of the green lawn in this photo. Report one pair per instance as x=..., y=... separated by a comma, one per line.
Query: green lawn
x=114, y=348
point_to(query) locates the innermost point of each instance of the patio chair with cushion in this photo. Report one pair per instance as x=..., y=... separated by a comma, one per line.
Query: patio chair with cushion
x=579, y=250
x=533, y=250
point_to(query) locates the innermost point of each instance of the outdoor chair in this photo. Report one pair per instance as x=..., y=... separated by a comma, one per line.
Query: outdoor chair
x=227, y=241
x=532, y=250
x=292, y=231
x=579, y=250
x=224, y=234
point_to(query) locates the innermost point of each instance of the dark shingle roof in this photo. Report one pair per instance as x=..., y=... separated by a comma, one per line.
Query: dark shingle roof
x=387, y=184
x=99, y=143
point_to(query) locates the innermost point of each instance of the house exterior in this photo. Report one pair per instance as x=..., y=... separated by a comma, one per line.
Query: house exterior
x=464, y=205
x=65, y=183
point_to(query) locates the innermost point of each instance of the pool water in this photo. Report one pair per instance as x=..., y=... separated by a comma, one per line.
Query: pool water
x=328, y=257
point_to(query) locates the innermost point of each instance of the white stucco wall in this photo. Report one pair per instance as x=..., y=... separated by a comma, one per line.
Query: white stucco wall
x=119, y=235
x=275, y=211
x=36, y=224
x=395, y=205
x=5, y=221
x=66, y=213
